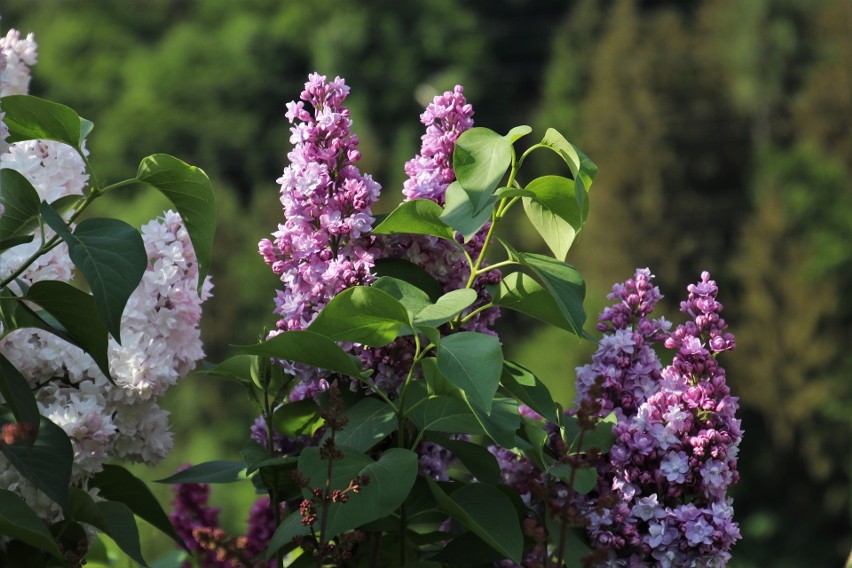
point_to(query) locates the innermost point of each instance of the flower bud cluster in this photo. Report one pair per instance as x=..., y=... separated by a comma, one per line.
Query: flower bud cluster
x=17, y=55
x=197, y=523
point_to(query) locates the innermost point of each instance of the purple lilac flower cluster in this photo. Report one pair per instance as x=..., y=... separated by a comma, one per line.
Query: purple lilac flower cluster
x=662, y=497
x=197, y=523
x=319, y=250
x=625, y=369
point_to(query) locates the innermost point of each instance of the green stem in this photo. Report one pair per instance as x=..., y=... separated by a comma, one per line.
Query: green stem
x=491, y=267
x=481, y=308
x=273, y=491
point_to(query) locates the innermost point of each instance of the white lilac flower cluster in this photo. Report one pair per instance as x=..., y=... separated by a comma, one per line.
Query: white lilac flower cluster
x=17, y=55
x=159, y=327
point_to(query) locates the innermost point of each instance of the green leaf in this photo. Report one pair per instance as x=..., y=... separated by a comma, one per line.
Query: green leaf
x=17, y=393
x=416, y=217
x=111, y=255
x=446, y=308
x=76, y=311
x=121, y=527
x=237, y=368
x=565, y=285
x=413, y=298
x=473, y=362
x=486, y=512
x=436, y=382
x=517, y=133
x=112, y=518
x=218, y=471
x=520, y=292
x=526, y=387
x=32, y=118
x=411, y=273
x=21, y=202
x=46, y=462
x=391, y=480
x=459, y=211
x=18, y=521
x=555, y=212
x=477, y=459
x=189, y=189
x=117, y=484
x=582, y=168
x=445, y=414
x=297, y=418
x=585, y=478
x=12, y=242
x=289, y=528
x=502, y=423
x=480, y=159
x=370, y=421
x=513, y=192
x=467, y=549
x=362, y=314
x=306, y=347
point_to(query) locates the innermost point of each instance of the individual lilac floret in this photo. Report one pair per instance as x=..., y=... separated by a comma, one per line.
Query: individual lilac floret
x=674, y=459
x=319, y=250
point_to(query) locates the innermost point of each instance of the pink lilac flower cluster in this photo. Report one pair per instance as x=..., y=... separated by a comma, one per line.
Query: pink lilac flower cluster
x=319, y=250
x=662, y=496
x=197, y=523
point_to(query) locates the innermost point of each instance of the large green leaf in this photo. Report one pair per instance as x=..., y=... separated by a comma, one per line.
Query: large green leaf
x=459, y=212
x=111, y=255
x=77, y=312
x=306, y=347
x=488, y=513
x=117, y=484
x=18, y=521
x=445, y=414
x=370, y=421
x=476, y=458
x=500, y=425
x=362, y=314
x=391, y=480
x=237, y=368
x=17, y=393
x=526, y=387
x=522, y=293
x=446, y=308
x=217, y=471
x=565, y=285
x=410, y=296
x=417, y=217
x=297, y=418
x=480, y=160
x=32, y=118
x=46, y=462
x=21, y=203
x=113, y=518
x=473, y=362
x=584, y=478
x=555, y=212
x=189, y=189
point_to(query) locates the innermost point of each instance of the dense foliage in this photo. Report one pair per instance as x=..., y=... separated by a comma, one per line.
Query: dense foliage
x=721, y=130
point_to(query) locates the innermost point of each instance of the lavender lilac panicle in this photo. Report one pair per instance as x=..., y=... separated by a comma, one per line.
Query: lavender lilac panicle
x=662, y=497
x=320, y=248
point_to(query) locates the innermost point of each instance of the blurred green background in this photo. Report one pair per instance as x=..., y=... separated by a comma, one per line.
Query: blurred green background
x=723, y=134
